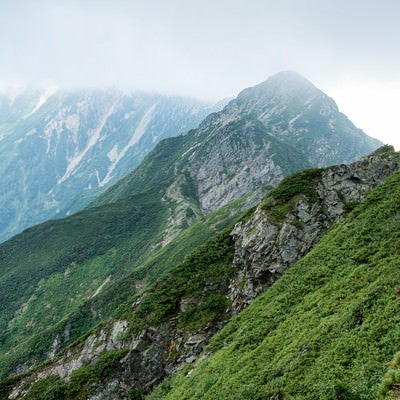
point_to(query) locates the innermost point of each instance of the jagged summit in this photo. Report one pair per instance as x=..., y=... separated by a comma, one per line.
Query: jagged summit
x=283, y=84
x=289, y=77
x=292, y=109
x=286, y=91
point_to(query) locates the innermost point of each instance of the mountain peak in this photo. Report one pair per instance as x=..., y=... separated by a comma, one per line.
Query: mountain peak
x=288, y=75
x=283, y=85
x=291, y=108
x=290, y=82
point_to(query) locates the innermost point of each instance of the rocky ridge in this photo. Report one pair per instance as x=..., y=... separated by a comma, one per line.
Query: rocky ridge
x=285, y=115
x=293, y=109
x=282, y=229
x=147, y=359
x=265, y=246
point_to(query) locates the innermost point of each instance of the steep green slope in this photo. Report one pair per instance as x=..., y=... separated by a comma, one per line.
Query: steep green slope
x=49, y=270
x=325, y=330
x=84, y=267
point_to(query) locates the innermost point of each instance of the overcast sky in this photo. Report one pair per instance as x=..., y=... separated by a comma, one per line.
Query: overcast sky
x=211, y=49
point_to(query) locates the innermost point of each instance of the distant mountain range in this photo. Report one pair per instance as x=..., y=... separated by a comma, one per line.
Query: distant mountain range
x=122, y=294
x=61, y=149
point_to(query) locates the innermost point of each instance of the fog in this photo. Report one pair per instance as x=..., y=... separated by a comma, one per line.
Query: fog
x=211, y=49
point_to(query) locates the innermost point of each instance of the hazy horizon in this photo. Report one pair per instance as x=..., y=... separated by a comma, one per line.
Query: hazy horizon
x=210, y=50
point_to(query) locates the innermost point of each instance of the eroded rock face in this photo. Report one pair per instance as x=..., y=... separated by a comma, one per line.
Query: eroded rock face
x=74, y=358
x=242, y=162
x=152, y=354
x=264, y=248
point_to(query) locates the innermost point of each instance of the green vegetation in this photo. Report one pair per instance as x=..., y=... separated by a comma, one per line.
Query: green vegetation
x=50, y=388
x=50, y=271
x=209, y=265
x=390, y=385
x=280, y=200
x=78, y=255
x=325, y=330
x=211, y=306
x=136, y=395
x=303, y=182
x=82, y=382
x=387, y=151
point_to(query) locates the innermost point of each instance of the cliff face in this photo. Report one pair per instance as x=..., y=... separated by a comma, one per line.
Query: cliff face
x=266, y=244
x=237, y=159
x=141, y=362
x=150, y=344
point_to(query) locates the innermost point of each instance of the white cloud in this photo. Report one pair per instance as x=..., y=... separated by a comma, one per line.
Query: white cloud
x=209, y=48
x=372, y=105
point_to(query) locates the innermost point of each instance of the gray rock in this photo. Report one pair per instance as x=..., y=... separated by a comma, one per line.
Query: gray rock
x=264, y=248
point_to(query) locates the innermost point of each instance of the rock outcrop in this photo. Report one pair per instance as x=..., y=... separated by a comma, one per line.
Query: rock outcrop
x=265, y=246
x=146, y=357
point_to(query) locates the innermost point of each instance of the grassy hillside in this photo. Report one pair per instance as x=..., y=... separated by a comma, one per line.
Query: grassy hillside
x=48, y=271
x=69, y=275
x=209, y=265
x=325, y=330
